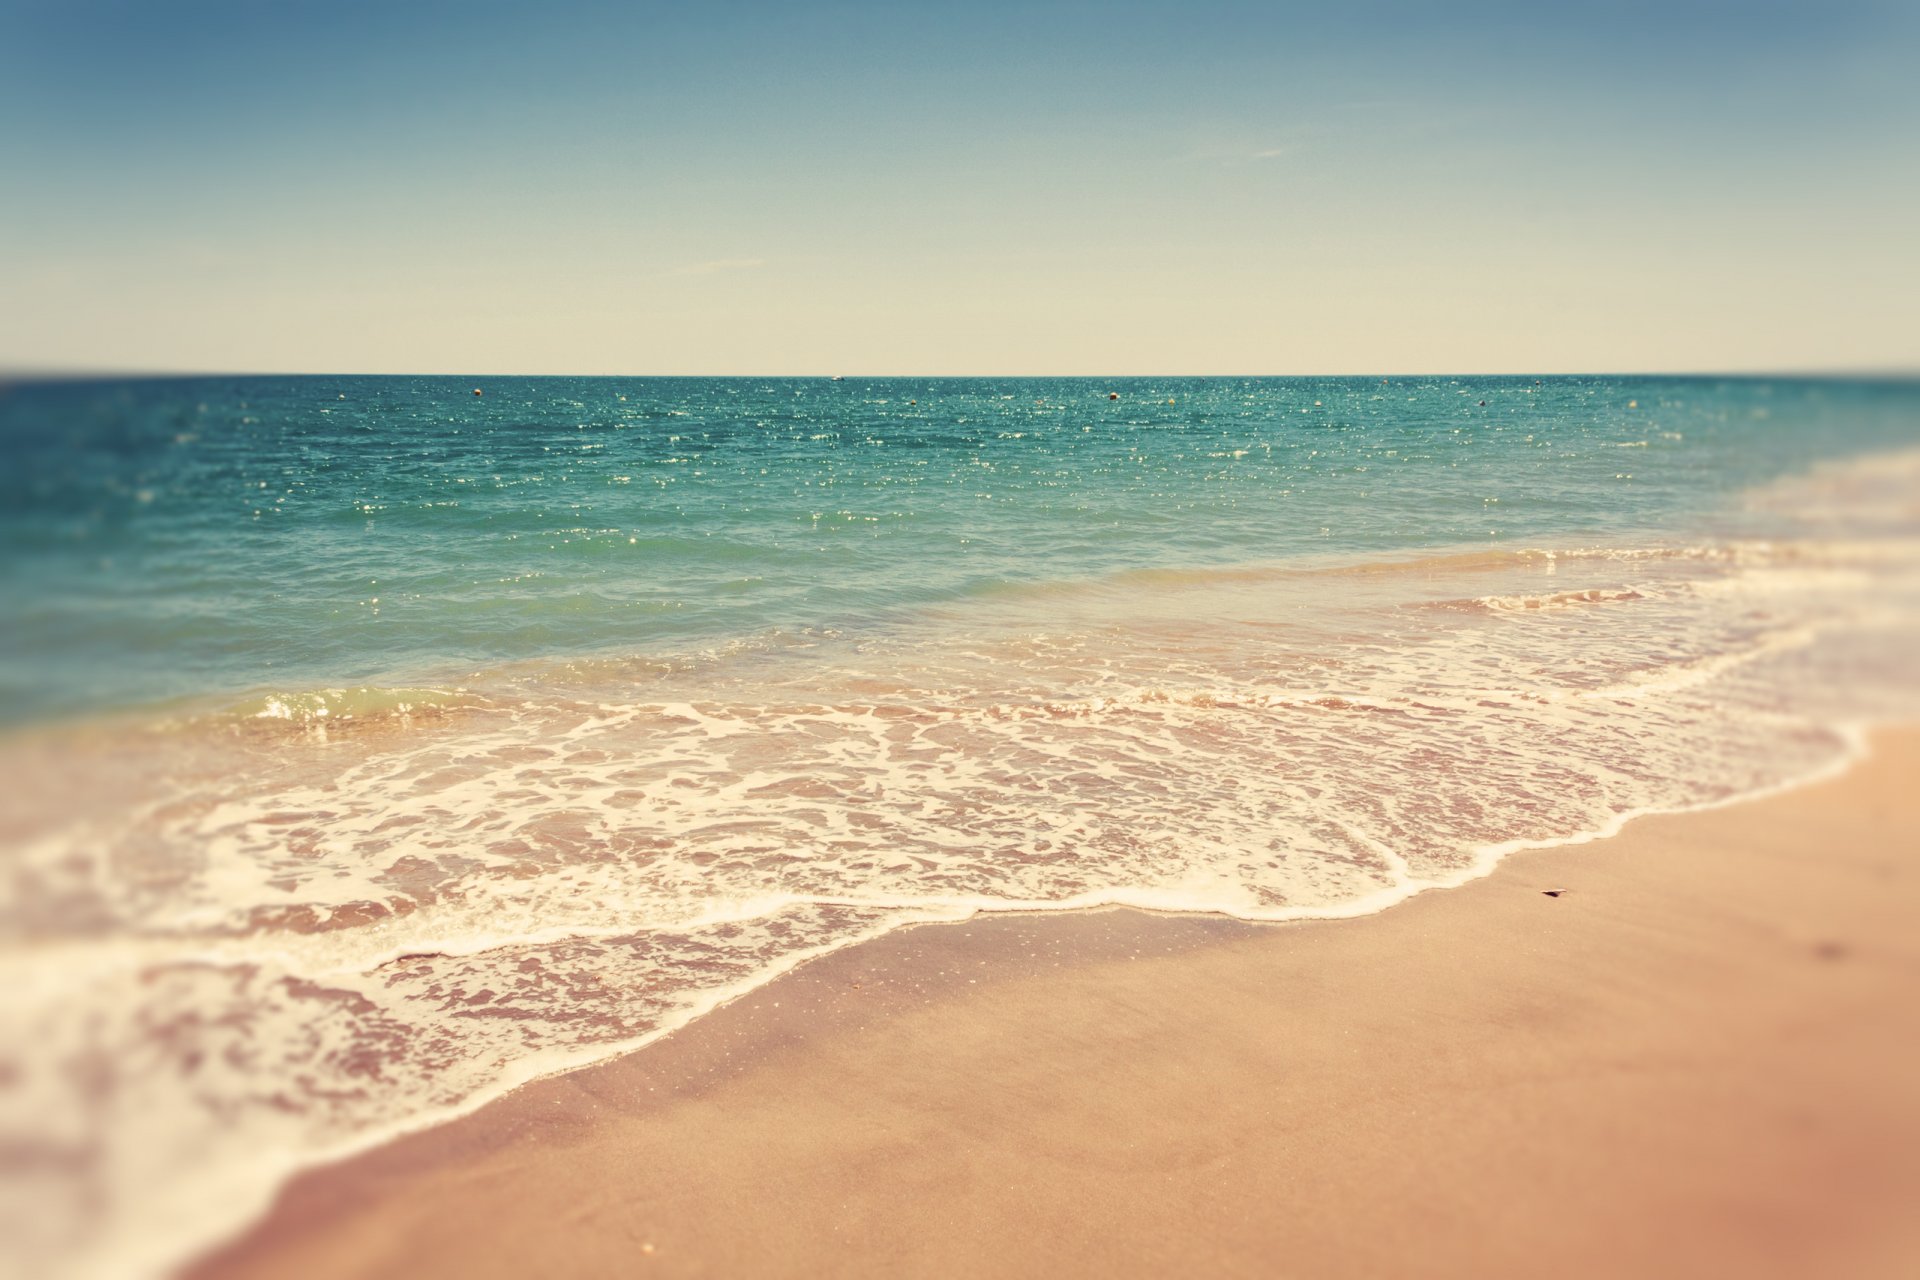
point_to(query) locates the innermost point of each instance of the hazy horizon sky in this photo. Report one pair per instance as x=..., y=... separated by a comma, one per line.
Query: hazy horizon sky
x=1031, y=189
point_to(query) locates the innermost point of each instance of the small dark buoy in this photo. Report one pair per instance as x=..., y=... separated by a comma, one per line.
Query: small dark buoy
x=1113, y=395
x=1483, y=404
x=476, y=391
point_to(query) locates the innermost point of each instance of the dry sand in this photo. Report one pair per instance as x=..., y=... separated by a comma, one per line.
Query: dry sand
x=1701, y=1059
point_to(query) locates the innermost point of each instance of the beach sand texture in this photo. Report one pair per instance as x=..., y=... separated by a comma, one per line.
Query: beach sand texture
x=1700, y=1058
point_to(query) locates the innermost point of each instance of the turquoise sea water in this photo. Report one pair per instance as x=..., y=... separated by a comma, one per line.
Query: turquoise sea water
x=372, y=746
x=198, y=538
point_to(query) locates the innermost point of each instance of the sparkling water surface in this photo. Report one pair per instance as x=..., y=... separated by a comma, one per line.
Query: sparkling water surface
x=182, y=539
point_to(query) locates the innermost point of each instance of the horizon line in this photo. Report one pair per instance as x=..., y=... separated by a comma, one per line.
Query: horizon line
x=17, y=376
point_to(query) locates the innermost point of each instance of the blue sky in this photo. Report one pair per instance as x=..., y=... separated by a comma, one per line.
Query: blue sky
x=1048, y=188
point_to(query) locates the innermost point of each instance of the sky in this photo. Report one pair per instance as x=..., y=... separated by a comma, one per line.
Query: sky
x=1050, y=188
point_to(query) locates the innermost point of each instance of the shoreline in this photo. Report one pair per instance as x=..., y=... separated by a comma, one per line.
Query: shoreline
x=199, y=1236
x=1856, y=747
x=777, y=1036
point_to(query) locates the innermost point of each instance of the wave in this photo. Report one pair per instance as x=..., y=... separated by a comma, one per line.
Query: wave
x=1551, y=600
x=1301, y=569
x=344, y=706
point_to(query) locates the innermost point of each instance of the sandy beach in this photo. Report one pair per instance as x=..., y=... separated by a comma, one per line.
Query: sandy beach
x=1689, y=1049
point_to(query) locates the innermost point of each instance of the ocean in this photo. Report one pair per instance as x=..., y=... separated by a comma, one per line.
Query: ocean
x=375, y=744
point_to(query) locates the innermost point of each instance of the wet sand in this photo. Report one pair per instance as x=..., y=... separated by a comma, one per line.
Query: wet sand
x=1701, y=1058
